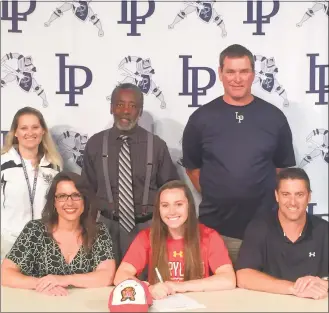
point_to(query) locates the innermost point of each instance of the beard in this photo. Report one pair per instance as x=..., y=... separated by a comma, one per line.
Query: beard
x=128, y=126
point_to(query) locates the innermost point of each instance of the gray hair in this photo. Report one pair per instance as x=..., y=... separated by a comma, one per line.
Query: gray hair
x=128, y=86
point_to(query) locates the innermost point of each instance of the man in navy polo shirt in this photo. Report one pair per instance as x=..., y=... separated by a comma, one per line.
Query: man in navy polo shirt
x=286, y=251
x=232, y=147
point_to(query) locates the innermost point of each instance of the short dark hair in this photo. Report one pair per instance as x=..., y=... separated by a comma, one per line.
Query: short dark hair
x=293, y=173
x=128, y=86
x=236, y=51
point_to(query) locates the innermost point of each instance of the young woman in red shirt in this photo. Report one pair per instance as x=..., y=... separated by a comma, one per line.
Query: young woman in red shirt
x=188, y=255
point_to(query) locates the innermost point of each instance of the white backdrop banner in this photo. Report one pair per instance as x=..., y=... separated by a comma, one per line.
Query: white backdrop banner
x=64, y=58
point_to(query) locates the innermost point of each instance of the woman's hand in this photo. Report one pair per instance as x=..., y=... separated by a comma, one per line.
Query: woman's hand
x=49, y=282
x=161, y=290
x=55, y=291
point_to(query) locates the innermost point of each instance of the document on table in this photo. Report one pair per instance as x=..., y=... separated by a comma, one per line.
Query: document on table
x=175, y=303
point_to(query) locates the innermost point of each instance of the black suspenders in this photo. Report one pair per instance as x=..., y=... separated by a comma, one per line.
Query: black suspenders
x=149, y=165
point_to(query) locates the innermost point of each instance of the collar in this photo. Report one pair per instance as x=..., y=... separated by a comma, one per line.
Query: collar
x=306, y=232
x=240, y=107
x=16, y=158
x=132, y=133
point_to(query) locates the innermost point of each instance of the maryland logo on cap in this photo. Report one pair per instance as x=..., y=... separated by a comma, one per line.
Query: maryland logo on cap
x=130, y=296
x=128, y=293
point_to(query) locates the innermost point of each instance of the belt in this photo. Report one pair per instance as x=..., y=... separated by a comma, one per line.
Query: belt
x=138, y=218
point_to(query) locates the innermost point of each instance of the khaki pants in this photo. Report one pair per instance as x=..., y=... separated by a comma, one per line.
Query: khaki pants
x=233, y=246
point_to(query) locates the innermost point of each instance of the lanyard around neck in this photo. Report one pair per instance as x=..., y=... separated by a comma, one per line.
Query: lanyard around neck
x=31, y=191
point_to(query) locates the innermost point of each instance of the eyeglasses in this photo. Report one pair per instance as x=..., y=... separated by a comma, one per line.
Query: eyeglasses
x=64, y=197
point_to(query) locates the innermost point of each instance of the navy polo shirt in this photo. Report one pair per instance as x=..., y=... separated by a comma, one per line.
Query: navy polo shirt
x=237, y=149
x=266, y=248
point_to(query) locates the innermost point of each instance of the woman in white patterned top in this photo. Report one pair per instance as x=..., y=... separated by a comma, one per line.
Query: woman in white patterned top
x=66, y=247
x=29, y=161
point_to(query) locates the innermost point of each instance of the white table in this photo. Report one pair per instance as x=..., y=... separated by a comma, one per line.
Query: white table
x=95, y=300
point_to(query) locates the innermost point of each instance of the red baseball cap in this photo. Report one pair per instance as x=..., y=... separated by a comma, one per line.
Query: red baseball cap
x=130, y=296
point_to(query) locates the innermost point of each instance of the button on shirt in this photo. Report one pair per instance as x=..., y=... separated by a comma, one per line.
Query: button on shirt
x=163, y=169
x=266, y=248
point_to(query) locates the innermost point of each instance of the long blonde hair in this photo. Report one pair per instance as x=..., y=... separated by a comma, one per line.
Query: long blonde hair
x=47, y=146
x=193, y=267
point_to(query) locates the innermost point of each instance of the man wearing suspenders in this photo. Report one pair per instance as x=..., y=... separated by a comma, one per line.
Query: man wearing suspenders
x=125, y=165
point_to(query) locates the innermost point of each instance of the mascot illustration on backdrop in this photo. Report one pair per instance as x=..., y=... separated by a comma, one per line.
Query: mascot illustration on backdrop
x=139, y=72
x=15, y=67
x=81, y=10
x=318, y=6
x=265, y=75
x=204, y=10
x=71, y=145
x=318, y=139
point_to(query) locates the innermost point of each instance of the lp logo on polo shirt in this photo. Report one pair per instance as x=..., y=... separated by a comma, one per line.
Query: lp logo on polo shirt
x=239, y=117
x=311, y=254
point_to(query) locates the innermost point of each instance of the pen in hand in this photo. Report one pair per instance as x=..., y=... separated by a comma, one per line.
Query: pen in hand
x=159, y=275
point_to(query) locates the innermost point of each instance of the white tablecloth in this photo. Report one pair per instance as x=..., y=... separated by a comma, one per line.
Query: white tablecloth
x=96, y=300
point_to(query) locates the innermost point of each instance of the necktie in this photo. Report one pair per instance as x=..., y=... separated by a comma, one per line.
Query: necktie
x=126, y=198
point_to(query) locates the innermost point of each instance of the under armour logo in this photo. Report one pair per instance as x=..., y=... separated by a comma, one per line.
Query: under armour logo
x=311, y=254
x=175, y=254
x=239, y=117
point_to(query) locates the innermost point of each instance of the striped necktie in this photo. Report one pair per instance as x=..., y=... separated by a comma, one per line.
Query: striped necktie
x=126, y=197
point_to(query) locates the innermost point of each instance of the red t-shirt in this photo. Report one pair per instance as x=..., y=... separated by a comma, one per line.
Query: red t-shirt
x=213, y=253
